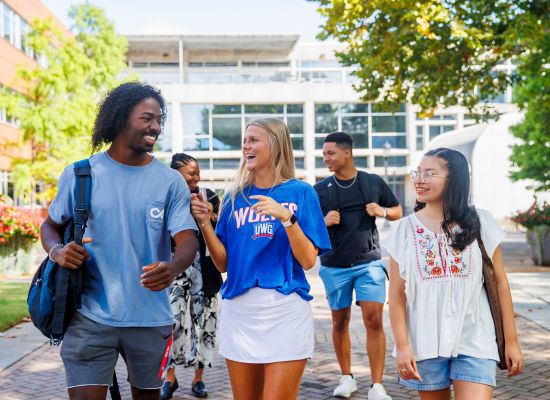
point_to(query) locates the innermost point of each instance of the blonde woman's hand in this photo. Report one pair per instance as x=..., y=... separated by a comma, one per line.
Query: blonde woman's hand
x=211, y=213
x=199, y=209
x=268, y=206
x=406, y=365
x=514, y=358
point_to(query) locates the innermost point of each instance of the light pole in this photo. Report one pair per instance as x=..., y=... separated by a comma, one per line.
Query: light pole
x=386, y=148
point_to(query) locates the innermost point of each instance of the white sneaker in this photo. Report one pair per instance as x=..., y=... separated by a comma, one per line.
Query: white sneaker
x=377, y=392
x=346, y=387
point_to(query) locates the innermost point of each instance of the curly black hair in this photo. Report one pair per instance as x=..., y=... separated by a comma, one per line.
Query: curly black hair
x=116, y=107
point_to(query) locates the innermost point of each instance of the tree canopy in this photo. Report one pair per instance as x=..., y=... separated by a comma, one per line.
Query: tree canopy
x=446, y=52
x=57, y=109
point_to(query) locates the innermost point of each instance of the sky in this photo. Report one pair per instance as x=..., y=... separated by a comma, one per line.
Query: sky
x=205, y=16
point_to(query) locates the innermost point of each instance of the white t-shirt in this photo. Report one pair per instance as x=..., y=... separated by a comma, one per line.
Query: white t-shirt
x=447, y=308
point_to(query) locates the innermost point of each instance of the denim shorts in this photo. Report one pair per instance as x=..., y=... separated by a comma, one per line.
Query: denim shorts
x=368, y=280
x=437, y=373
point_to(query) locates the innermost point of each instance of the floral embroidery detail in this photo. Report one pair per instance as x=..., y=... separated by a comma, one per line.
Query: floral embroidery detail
x=436, y=271
x=435, y=257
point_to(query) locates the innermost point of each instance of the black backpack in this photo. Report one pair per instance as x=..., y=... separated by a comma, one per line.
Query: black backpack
x=55, y=291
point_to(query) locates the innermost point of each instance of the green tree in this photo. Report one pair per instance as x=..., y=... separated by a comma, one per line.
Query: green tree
x=56, y=111
x=531, y=157
x=444, y=52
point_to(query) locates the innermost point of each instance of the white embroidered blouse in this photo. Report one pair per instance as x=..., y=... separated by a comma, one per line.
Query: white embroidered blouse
x=447, y=308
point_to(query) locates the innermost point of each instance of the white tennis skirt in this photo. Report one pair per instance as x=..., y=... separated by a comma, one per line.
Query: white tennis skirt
x=264, y=326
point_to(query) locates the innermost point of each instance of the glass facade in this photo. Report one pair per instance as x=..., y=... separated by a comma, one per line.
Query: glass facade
x=434, y=126
x=393, y=161
x=219, y=127
x=264, y=83
x=368, y=125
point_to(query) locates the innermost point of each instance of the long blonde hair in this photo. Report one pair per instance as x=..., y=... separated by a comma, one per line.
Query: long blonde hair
x=282, y=159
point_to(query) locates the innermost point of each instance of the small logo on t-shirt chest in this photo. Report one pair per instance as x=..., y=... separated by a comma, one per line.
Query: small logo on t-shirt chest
x=156, y=213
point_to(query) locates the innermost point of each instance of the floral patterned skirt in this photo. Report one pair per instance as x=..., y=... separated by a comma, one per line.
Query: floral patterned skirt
x=196, y=319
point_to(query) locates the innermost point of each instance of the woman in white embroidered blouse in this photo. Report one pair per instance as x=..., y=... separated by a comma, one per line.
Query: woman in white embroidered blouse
x=440, y=315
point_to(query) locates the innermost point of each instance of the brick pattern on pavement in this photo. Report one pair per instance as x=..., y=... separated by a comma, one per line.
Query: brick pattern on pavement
x=40, y=375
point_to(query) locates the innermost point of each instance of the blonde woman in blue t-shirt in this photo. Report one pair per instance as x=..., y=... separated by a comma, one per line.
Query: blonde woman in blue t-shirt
x=269, y=231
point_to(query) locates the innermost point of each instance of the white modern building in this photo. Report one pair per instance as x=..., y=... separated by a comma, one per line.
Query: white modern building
x=215, y=84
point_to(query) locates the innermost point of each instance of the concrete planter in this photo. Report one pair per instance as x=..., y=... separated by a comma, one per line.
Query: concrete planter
x=539, y=240
x=20, y=263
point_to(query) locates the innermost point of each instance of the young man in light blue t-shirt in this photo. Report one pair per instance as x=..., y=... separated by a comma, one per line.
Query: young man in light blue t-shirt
x=137, y=205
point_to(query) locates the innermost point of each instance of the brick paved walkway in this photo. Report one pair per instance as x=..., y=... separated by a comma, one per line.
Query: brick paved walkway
x=40, y=374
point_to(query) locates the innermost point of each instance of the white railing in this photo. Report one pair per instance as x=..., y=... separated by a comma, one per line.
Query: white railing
x=236, y=75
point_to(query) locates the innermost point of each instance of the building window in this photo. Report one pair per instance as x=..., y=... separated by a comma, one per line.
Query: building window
x=7, y=191
x=437, y=125
x=419, y=137
x=397, y=186
x=319, y=162
x=362, y=162
x=226, y=163
x=368, y=125
x=227, y=132
x=219, y=127
x=13, y=28
x=393, y=161
x=358, y=128
x=164, y=142
x=7, y=22
x=326, y=118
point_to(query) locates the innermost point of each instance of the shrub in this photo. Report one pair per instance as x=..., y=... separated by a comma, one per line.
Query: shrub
x=535, y=216
x=19, y=229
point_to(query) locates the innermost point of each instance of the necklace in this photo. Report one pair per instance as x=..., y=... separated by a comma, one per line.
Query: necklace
x=342, y=186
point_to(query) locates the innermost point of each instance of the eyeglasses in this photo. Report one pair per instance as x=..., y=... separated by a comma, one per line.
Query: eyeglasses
x=425, y=177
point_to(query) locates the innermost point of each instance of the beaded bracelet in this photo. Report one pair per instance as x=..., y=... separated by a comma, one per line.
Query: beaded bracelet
x=55, y=246
x=203, y=225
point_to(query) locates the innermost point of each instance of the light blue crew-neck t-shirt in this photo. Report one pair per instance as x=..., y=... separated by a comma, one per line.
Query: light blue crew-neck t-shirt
x=258, y=249
x=133, y=213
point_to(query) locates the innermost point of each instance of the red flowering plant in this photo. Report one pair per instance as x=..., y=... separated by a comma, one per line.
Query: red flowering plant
x=19, y=229
x=535, y=216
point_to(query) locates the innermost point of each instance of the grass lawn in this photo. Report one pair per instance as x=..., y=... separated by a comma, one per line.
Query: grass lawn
x=13, y=303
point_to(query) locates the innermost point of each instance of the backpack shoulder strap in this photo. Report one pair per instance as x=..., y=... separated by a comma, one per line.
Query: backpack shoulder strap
x=332, y=195
x=363, y=178
x=82, y=195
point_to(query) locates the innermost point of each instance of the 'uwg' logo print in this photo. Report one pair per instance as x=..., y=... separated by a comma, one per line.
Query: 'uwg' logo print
x=263, y=230
x=246, y=215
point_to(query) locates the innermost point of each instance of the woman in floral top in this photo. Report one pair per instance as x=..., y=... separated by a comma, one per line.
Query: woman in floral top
x=440, y=316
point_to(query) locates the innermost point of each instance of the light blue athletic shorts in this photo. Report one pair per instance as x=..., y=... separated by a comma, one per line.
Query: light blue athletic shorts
x=368, y=280
x=437, y=373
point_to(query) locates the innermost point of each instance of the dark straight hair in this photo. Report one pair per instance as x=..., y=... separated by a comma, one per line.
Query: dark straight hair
x=342, y=140
x=456, y=195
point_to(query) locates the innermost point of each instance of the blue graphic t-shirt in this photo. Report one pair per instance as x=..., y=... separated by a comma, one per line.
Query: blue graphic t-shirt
x=258, y=249
x=133, y=213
